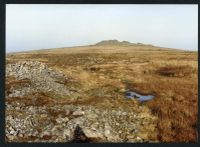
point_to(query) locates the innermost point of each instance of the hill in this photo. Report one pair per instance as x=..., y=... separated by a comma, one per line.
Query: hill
x=105, y=46
x=119, y=43
x=52, y=92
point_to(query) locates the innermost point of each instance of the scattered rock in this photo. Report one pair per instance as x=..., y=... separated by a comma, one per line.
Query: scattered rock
x=43, y=115
x=92, y=134
x=78, y=112
x=57, y=123
x=62, y=120
x=42, y=78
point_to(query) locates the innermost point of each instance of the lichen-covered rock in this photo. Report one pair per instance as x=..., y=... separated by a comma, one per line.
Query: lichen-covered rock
x=42, y=78
x=108, y=127
x=33, y=117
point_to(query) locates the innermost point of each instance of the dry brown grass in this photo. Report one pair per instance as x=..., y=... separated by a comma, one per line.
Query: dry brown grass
x=101, y=73
x=176, y=107
x=175, y=71
x=12, y=82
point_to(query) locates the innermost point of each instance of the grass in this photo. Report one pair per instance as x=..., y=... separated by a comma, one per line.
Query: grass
x=176, y=107
x=12, y=82
x=175, y=71
x=170, y=75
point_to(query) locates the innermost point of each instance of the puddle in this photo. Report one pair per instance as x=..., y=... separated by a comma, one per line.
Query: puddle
x=141, y=98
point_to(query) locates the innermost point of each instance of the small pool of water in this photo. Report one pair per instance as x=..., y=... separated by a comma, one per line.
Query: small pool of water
x=141, y=98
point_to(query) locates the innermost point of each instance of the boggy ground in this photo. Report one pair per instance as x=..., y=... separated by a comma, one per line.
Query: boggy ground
x=102, y=74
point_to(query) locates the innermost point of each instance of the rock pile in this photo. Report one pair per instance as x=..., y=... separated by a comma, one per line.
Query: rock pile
x=107, y=125
x=57, y=121
x=42, y=78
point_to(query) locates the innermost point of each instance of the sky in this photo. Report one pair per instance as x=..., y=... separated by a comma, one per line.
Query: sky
x=42, y=26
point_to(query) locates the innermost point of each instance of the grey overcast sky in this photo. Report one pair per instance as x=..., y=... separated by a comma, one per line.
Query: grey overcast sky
x=34, y=26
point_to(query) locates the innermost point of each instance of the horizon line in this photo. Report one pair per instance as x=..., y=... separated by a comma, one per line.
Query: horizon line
x=95, y=44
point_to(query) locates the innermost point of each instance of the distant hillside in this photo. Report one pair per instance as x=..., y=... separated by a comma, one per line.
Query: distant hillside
x=105, y=46
x=116, y=42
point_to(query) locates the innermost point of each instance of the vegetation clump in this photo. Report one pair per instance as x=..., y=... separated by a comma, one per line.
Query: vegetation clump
x=175, y=71
x=98, y=76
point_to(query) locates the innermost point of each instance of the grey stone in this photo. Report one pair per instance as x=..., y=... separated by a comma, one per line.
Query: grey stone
x=78, y=112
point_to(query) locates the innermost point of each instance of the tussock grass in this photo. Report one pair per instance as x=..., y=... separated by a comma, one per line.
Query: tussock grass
x=175, y=71
x=175, y=105
x=102, y=76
